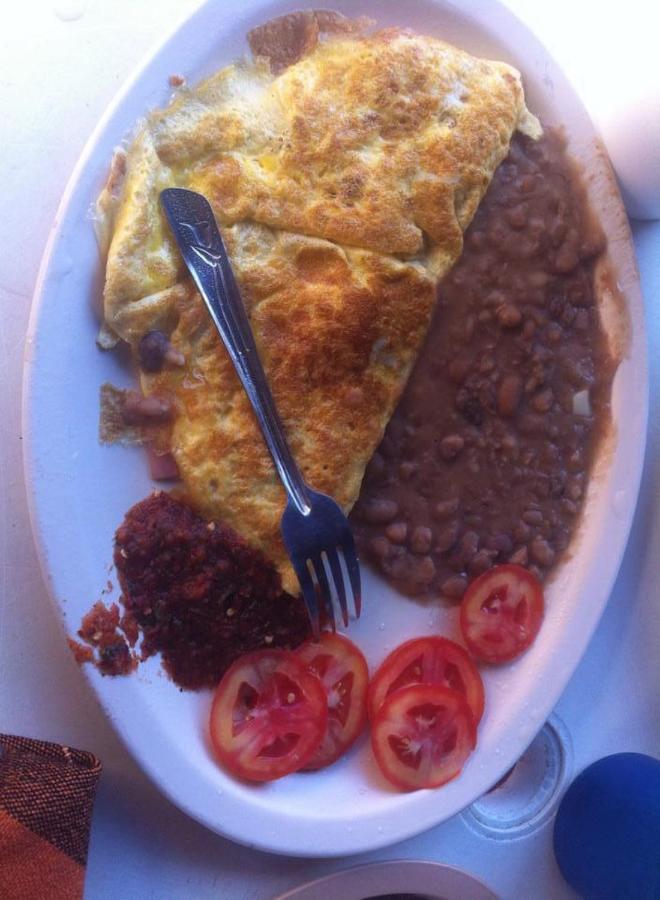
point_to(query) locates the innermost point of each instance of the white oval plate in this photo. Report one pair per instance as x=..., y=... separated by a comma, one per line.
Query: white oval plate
x=79, y=490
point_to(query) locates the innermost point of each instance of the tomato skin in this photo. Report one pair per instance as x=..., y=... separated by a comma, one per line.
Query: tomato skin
x=439, y=660
x=342, y=670
x=268, y=716
x=501, y=613
x=422, y=736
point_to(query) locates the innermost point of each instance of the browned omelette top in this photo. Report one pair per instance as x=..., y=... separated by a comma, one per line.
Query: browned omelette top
x=343, y=185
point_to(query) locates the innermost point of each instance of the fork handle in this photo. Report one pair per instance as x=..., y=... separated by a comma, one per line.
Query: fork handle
x=193, y=224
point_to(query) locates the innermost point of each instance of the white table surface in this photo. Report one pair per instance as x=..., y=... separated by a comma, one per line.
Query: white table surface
x=61, y=63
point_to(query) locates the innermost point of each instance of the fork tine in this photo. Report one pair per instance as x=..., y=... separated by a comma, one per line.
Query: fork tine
x=338, y=578
x=310, y=598
x=324, y=587
x=353, y=567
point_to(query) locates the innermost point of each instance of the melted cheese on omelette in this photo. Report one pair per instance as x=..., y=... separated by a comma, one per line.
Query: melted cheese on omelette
x=343, y=185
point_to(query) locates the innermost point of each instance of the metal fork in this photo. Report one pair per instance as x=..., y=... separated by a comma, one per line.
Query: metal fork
x=314, y=528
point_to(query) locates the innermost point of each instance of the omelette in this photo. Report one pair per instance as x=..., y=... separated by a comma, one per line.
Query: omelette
x=343, y=168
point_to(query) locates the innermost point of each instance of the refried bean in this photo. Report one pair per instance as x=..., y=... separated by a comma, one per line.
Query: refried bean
x=487, y=456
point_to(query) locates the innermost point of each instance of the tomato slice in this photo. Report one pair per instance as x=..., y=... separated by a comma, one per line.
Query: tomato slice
x=342, y=670
x=268, y=716
x=428, y=660
x=422, y=735
x=501, y=613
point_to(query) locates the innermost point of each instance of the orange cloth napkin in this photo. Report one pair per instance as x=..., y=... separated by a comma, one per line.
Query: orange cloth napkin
x=46, y=799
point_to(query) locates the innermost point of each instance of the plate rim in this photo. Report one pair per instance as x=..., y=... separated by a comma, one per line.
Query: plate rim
x=417, y=876
x=287, y=843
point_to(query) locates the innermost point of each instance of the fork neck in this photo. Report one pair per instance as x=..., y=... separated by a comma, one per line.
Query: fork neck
x=290, y=475
x=260, y=397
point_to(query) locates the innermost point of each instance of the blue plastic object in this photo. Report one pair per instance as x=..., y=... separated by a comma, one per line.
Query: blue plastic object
x=607, y=830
